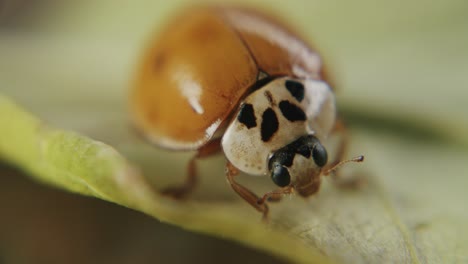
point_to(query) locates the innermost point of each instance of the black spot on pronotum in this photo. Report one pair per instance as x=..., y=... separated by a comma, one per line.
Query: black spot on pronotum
x=291, y=111
x=296, y=89
x=269, y=124
x=247, y=116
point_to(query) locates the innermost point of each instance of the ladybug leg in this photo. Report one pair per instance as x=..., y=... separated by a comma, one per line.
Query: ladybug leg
x=245, y=193
x=351, y=182
x=275, y=196
x=181, y=191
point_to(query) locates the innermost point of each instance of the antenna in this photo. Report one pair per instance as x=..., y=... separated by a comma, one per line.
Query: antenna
x=339, y=164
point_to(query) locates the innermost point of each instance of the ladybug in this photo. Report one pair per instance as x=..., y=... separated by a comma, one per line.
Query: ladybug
x=237, y=80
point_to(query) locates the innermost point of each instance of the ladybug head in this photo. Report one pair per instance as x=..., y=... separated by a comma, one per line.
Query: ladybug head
x=299, y=164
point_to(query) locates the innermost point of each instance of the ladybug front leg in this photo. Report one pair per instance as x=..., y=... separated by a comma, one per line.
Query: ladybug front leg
x=181, y=191
x=277, y=195
x=245, y=193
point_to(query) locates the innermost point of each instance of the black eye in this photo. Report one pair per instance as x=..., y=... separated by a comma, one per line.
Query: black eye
x=320, y=155
x=280, y=176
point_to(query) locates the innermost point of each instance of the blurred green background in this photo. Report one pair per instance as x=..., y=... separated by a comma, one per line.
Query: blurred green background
x=401, y=69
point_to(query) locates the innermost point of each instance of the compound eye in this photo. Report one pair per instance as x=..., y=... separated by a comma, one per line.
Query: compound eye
x=319, y=153
x=280, y=176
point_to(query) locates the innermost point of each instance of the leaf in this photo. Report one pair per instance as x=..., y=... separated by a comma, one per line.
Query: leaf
x=364, y=225
x=401, y=94
x=81, y=165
